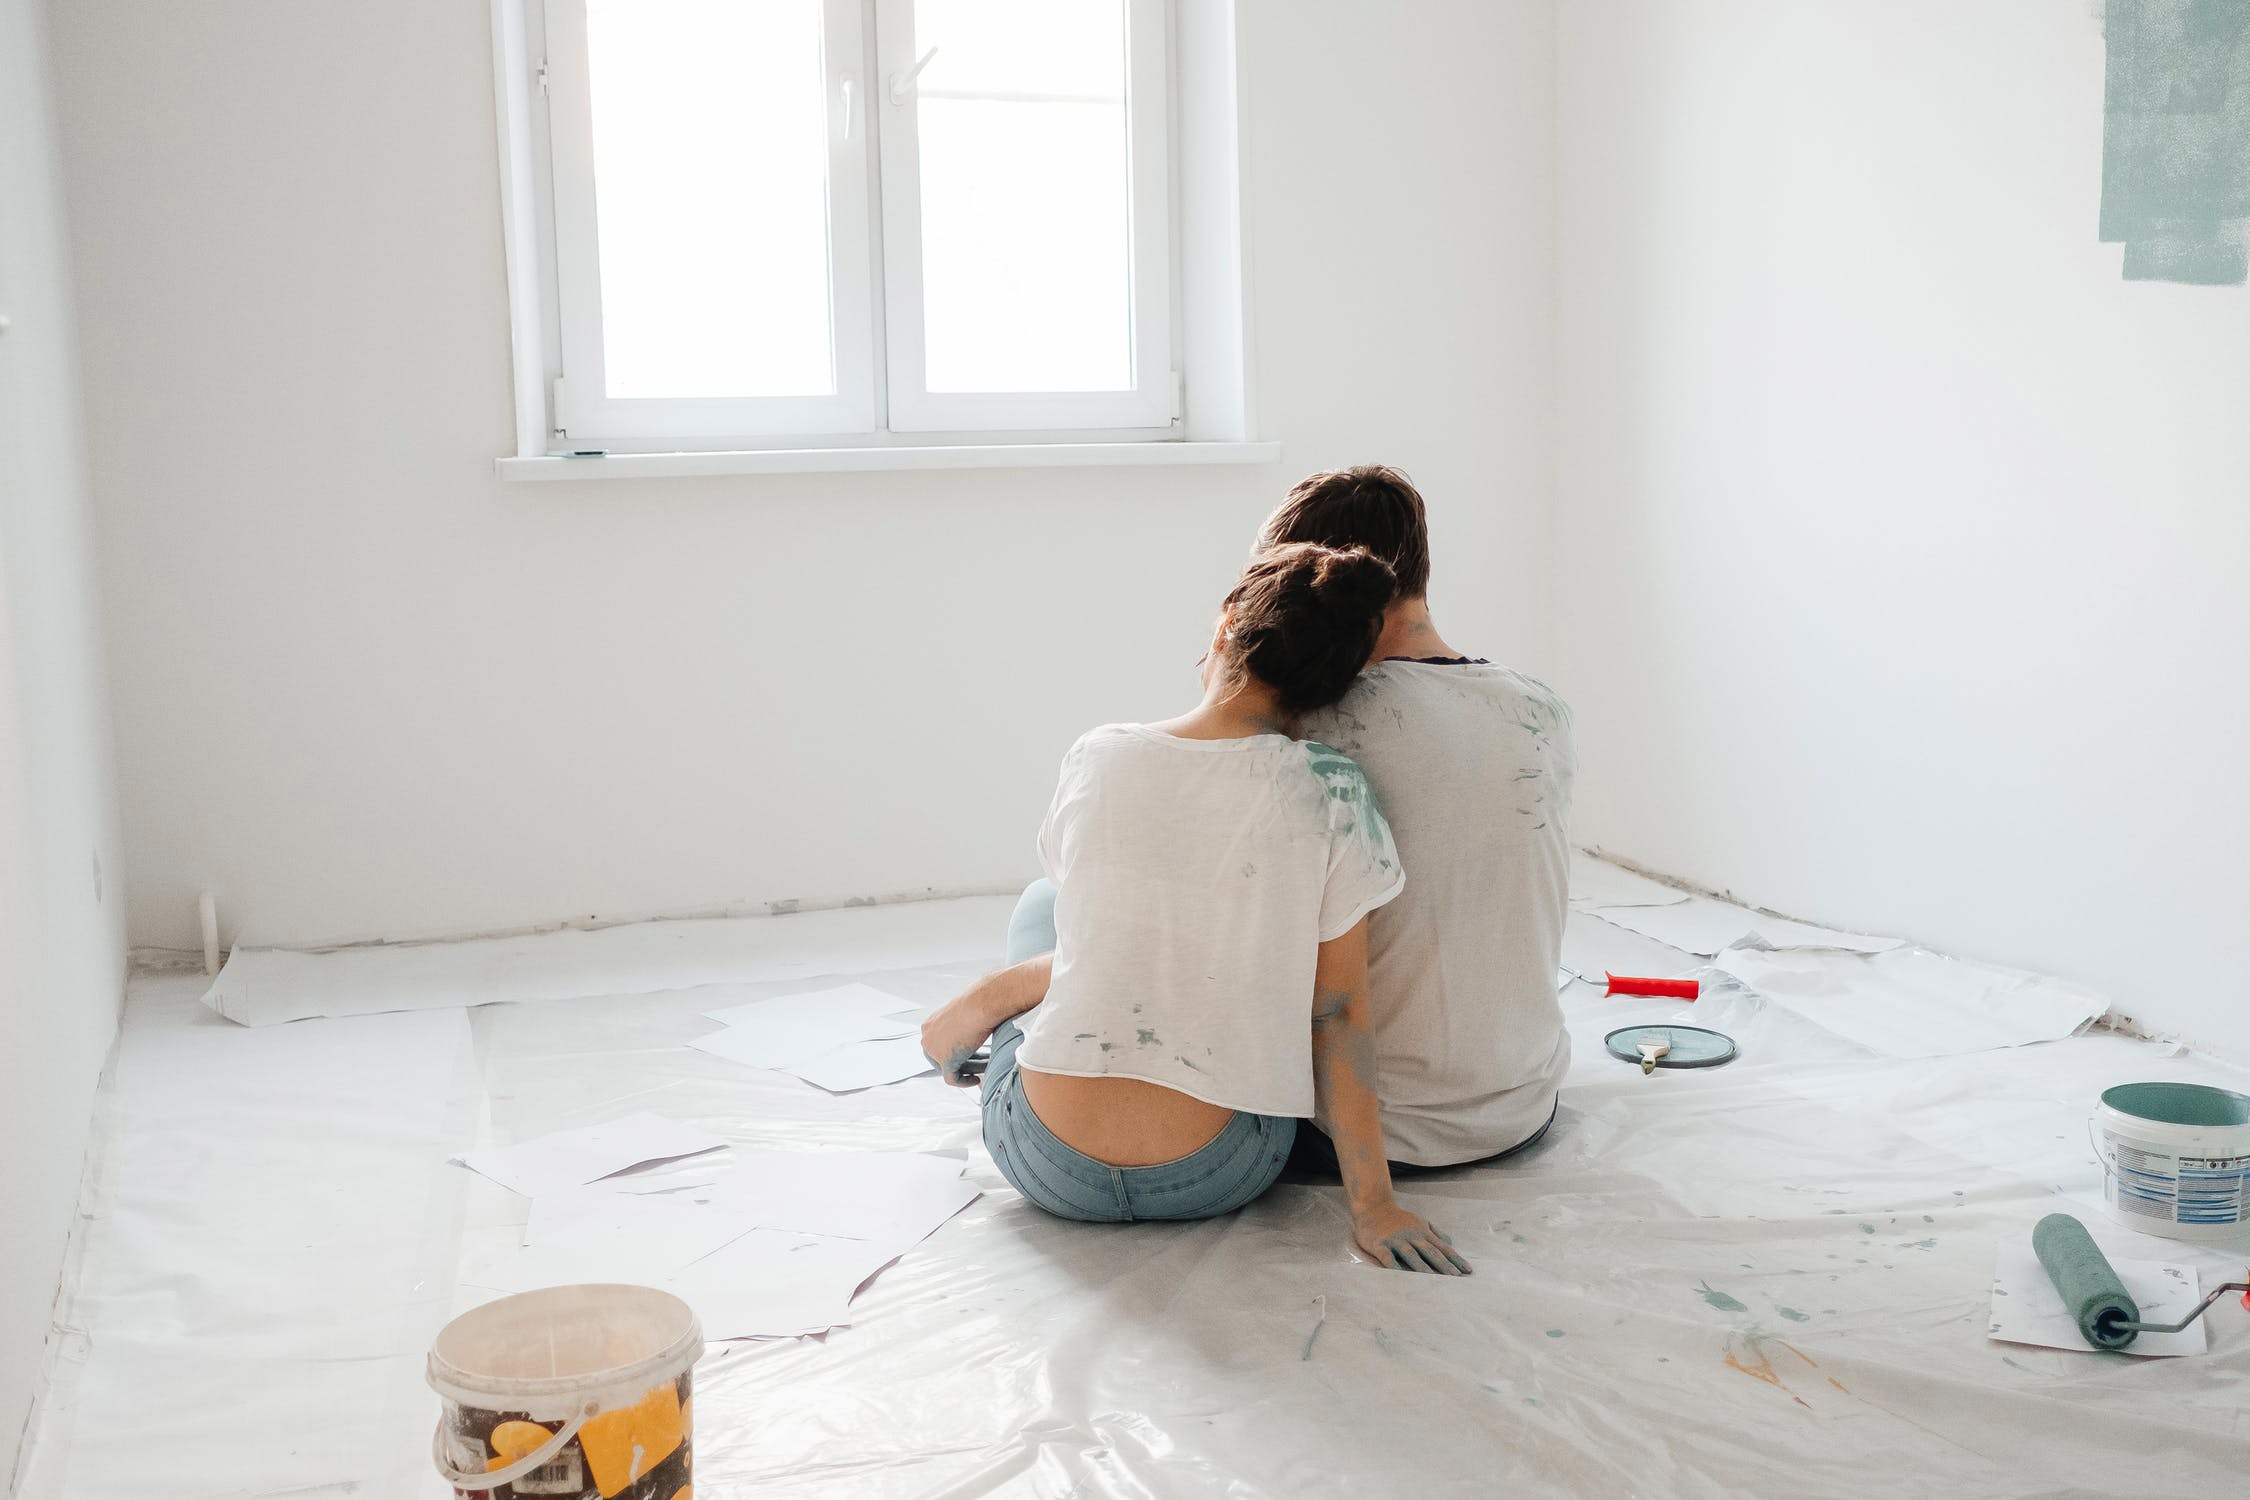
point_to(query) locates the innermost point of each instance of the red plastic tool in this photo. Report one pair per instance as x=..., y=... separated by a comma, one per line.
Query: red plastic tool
x=1673, y=989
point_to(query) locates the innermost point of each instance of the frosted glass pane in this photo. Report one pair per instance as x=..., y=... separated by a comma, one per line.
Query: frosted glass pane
x=711, y=197
x=1026, y=196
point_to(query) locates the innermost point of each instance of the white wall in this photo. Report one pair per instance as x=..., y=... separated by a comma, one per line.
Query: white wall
x=62, y=945
x=1903, y=541
x=365, y=689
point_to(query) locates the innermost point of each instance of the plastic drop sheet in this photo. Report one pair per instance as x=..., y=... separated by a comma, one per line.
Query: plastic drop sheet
x=1769, y=1278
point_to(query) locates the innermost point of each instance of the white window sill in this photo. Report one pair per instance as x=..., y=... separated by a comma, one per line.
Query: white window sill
x=835, y=460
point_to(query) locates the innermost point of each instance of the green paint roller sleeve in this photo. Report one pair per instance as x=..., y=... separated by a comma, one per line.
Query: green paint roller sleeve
x=2090, y=1287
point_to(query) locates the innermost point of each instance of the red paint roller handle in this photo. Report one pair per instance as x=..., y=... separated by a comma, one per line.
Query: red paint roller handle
x=1675, y=989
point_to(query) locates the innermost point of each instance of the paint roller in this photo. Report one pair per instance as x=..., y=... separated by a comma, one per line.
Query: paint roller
x=2106, y=1314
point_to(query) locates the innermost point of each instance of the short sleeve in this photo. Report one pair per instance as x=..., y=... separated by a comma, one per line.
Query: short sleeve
x=1363, y=863
x=1050, y=828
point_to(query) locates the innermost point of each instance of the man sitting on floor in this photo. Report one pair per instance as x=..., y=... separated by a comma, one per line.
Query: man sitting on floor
x=1472, y=764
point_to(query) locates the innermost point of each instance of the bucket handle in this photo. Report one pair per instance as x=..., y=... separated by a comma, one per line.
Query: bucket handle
x=2108, y=1168
x=493, y=1479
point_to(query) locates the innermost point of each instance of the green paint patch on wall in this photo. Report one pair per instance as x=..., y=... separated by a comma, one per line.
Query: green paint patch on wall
x=2176, y=139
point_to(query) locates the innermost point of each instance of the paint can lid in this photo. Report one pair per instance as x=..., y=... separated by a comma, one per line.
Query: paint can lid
x=1687, y=1046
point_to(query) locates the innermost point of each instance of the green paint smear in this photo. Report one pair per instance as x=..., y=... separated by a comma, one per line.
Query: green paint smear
x=1347, y=786
x=1554, y=1333
x=1793, y=1315
x=1720, y=1300
x=1148, y=1037
x=2176, y=139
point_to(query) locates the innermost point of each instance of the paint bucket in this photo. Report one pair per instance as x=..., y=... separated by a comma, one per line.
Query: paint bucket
x=2176, y=1159
x=578, y=1391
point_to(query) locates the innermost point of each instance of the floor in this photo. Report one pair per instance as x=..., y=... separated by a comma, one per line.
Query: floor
x=1768, y=1278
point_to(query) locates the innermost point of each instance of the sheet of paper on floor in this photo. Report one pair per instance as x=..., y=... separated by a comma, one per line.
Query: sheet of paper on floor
x=1706, y=927
x=865, y=1195
x=851, y=1037
x=1913, y=1003
x=772, y=1283
x=776, y=1247
x=570, y=1158
x=786, y=1034
x=651, y=1227
x=753, y=1283
x=2026, y=1308
x=865, y=1065
x=861, y=1009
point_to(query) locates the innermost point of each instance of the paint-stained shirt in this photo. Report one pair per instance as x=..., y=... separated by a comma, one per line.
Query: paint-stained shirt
x=1196, y=881
x=1473, y=763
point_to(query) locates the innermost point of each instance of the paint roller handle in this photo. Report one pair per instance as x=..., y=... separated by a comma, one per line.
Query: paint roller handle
x=2201, y=1308
x=1672, y=989
x=463, y=1479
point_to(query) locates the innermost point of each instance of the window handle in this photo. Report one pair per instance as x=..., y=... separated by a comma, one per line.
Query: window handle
x=903, y=83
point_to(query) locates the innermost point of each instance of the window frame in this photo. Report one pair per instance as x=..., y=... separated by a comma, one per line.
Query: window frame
x=1151, y=403
x=875, y=302
x=582, y=408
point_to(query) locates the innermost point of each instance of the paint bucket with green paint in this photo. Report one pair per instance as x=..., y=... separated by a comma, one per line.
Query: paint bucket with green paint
x=2176, y=1158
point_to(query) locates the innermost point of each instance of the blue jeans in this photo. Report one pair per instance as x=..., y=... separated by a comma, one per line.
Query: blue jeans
x=1235, y=1166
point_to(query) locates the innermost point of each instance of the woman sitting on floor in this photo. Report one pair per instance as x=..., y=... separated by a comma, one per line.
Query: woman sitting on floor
x=1192, y=975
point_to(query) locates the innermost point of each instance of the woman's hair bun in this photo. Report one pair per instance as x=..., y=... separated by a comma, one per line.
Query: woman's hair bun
x=1304, y=619
x=1353, y=581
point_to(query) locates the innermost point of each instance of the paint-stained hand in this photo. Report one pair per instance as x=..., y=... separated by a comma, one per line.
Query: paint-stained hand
x=1406, y=1241
x=951, y=1036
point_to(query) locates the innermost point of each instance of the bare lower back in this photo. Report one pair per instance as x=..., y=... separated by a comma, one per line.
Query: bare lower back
x=1123, y=1122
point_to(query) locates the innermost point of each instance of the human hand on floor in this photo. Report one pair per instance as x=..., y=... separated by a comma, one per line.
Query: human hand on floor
x=951, y=1036
x=1405, y=1241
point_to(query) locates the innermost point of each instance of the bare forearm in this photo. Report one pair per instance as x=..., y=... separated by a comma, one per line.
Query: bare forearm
x=1344, y=1104
x=952, y=1034
x=1008, y=993
x=1344, y=1101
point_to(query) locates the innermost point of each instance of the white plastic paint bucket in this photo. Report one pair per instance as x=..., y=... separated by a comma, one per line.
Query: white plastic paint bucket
x=578, y=1391
x=2176, y=1159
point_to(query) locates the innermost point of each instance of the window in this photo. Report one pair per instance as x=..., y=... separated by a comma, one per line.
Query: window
x=828, y=222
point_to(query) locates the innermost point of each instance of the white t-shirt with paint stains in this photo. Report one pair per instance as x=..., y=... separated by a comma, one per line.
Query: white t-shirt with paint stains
x=1197, y=880
x=1474, y=765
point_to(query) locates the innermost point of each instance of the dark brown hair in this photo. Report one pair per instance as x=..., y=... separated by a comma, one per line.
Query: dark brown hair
x=1303, y=619
x=1372, y=506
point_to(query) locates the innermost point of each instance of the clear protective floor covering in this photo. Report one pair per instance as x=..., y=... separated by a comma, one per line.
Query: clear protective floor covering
x=1769, y=1278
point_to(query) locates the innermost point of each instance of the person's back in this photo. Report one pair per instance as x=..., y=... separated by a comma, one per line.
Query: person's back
x=1472, y=764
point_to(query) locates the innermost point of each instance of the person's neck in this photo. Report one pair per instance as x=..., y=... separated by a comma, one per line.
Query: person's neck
x=1407, y=632
x=1233, y=711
